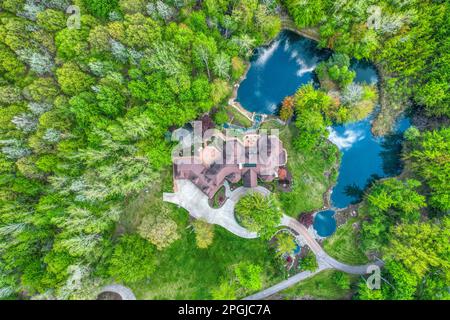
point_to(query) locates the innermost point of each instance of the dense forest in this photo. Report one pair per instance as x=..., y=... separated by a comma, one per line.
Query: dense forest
x=85, y=108
x=405, y=220
x=84, y=113
x=407, y=39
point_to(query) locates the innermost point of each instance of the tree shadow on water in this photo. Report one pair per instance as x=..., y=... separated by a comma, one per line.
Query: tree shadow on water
x=356, y=192
x=391, y=154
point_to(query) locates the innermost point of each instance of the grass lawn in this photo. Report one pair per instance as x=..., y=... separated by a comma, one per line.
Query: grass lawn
x=238, y=118
x=308, y=170
x=136, y=208
x=321, y=286
x=343, y=245
x=185, y=271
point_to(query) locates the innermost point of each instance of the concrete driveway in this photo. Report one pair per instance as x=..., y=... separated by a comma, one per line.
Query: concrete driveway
x=196, y=203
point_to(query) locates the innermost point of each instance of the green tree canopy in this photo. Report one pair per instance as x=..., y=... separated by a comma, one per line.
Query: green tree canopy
x=249, y=275
x=258, y=213
x=133, y=259
x=429, y=158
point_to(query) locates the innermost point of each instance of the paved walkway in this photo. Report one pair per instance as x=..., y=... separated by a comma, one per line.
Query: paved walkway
x=124, y=292
x=320, y=253
x=289, y=282
x=196, y=203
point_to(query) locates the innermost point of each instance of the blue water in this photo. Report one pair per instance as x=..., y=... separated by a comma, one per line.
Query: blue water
x=278, y=71
x=363, y=157
x=324, y=223
x=365, y=72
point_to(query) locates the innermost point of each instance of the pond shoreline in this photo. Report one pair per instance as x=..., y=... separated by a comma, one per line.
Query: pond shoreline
x=345, y=209
x=306, y=33
x=390, y=110
x=232, y=102
x=288, y=24
x=378, y=127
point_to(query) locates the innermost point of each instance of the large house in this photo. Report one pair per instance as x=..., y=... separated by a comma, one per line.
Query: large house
x=249, y=157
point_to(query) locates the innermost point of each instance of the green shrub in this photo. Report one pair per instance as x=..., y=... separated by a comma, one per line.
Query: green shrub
x=249, y=275
x=309, y=262
x=133, y=259
x=259, y=213
x=100, y=8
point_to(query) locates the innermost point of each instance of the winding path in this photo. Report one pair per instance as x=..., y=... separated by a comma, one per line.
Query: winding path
x=124, y=292
x=320, y=253
x=289, y=282
x=323, y=259
x=188, y=196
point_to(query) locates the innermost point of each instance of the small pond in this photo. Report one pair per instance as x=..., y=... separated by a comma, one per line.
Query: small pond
x=278, y=71
x=324, y=223
x=297, y=249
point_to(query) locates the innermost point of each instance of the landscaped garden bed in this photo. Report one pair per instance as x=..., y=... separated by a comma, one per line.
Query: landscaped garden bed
x=287, y=249
x=219, y=198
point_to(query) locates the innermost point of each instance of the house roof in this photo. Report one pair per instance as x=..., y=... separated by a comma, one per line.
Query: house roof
x=232, y=159
x=250, y=178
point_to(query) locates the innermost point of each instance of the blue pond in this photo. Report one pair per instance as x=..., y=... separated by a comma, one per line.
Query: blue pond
x=278, y=71
x=324, y=223
x=297, y=249
x=364, y=157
